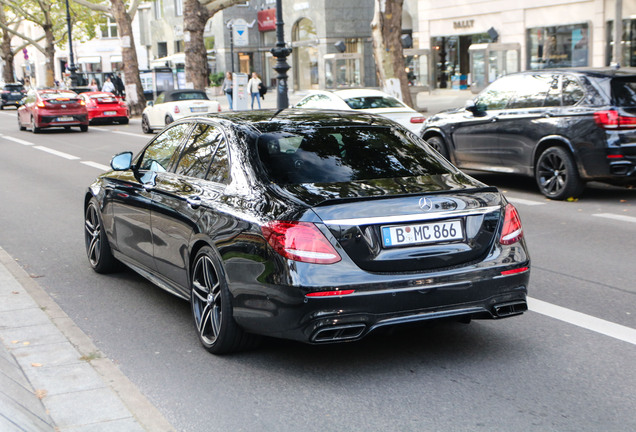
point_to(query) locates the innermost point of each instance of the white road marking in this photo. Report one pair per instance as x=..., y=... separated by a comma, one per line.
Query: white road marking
x=18, y=140
x=120, y=132
x=607, y=328
x=96, y=165
x=56, y=153
x=621, y=218
x=524, y=201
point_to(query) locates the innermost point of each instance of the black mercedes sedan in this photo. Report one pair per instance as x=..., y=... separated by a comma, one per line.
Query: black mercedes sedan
x=316, y=226
x=564, y=127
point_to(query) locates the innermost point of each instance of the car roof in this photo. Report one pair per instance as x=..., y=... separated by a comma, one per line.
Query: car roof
x=590, y=71
x=349, y=93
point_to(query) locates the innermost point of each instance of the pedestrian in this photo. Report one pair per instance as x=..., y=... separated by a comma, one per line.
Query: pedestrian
x=227, y=87
x=119, y=85
x=94, y=86
x=108, y=86
x=253, y=86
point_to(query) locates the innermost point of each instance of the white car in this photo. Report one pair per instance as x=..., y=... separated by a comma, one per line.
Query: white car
x=367, y=100
x=173, y=105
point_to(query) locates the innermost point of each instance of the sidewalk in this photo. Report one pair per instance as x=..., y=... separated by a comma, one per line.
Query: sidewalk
x=52, y=377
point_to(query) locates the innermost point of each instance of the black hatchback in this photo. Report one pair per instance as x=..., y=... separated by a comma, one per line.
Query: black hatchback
x=564, y=127
x=318, y=226
x=11, y=94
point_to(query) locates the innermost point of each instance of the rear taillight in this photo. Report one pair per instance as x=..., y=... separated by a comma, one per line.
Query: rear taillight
x=40, y=104
x=418, y=119
x=176, y=109
x=81, y=102
x=611, y=119
x=300, y=241
x=336, y=293
x=219, y=108
x=512, y=231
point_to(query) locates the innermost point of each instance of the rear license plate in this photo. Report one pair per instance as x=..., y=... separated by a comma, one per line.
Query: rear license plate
x=198, y=109
x=110, y=112
x=433, y=232
x=65, y=119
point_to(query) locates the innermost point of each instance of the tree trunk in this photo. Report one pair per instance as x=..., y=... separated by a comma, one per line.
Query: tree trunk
x=5, y=51
x=134, y=91
x=197, y=71
x=386, y=31
x=49, y=54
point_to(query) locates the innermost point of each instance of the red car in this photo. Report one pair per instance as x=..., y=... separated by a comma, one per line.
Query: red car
x=52, y=108
x=105, y=106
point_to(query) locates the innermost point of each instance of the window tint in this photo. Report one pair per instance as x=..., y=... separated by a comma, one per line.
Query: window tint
x=373, y=102
x=572, y=91
x=161, y=151
x=497, y=94
x=198, y=152
x=532, y=90
x=220, y=170
x=624, y=92
x=344, y=154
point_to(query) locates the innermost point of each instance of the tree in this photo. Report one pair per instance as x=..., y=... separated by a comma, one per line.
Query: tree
x=386, y=31
x=196, y=14
x=124, y=16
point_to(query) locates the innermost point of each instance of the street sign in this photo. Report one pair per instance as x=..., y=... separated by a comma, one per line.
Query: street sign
x=241, y=35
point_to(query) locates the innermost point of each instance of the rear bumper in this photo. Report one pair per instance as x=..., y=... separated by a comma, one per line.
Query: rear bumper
x=47, y=121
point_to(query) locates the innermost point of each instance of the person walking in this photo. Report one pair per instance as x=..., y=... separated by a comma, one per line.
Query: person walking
x=227, y=87
x=94, y=86
x=108, y=86
x=253, y=85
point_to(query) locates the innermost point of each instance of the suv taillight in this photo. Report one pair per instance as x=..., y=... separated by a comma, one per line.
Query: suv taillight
x=611, y=119
x=512, y=231
x=300, y=241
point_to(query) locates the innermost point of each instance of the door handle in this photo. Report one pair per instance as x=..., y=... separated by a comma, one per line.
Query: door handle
x=194, y=201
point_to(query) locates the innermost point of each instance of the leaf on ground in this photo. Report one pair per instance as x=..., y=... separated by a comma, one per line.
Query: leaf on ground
x=41, y=394
x=36, y=364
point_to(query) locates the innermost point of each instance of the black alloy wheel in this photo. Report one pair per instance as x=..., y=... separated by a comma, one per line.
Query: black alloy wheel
x=145, y=125
x=212, y=309
x=438, y=144
x=97, y=247
x=34, y=128
x=557, y=175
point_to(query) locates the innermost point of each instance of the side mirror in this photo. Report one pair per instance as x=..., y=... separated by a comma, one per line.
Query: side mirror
x=121, y=161
x=475, y=108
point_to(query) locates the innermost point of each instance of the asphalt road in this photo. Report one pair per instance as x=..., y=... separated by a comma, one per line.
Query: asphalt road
x=566, y=365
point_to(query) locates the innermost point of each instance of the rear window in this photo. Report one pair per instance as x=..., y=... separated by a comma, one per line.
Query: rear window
x=370, y=102
x=60, y=94
x=13, y=87
x=624, y=92
x=187, y=96
x=343, y=154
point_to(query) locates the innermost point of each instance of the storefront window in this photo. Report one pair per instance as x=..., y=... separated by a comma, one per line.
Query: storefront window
x=628, y=43
x=343, y=70
x=451, y=57
x=305, y=55
x=558, y=46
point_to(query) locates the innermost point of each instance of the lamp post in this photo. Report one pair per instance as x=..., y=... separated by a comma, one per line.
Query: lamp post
x=72, y=68
x=280, y=51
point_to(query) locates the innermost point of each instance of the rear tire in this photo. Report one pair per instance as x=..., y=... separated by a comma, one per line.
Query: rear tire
x=211, y=304
x=84, y=128
x=557, y=175
x=34, y=128
x=438, y=144
x=22, y=128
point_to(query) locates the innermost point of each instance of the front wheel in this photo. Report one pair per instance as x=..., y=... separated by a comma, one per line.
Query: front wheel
x=98, y=249
x=438, y=144
x=145, y=125
x=557, y=175
x=212, y=309
x=168, y=119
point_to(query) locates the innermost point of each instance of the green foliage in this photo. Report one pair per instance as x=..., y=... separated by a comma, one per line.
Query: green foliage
x=216, y=79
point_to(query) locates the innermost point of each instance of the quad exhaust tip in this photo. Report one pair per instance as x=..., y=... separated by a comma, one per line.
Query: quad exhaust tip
x=504, y=310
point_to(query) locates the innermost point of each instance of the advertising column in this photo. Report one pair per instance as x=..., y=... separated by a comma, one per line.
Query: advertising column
x=239, y=91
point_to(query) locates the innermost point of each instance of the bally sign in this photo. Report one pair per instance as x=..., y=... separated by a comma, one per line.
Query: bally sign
x=267, y=20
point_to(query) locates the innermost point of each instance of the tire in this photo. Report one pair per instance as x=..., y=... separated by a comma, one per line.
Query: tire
x=98, y=249
x=211, y=305
x=22, y=128
x=84, y=128
x=34, y=128
x=168, y=120
x=438, y=144
x=557, y=175
x=145, y=126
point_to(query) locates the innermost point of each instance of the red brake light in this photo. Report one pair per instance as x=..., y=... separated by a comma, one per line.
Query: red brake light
x=418, y=119
x=176, y=109
x=512, y=231
x=82, y=102
x=40, y=104
x=611, y=119
x=330, y=293
x=300, y=241
x=514, y=271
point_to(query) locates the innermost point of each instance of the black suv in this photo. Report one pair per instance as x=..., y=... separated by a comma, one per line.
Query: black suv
x=11, y=94
x=564, y=127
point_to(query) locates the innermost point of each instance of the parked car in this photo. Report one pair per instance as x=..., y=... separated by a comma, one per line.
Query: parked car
x=105, y=107
x=49, y=108
x=565, y=127
x=317, y=226
x=365, y=100
x=11, y=94
x=173, y=105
